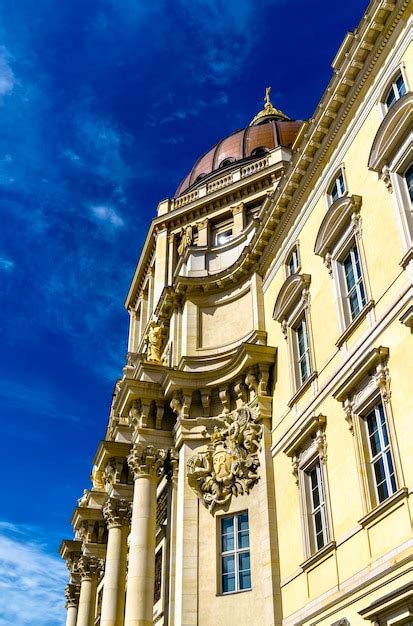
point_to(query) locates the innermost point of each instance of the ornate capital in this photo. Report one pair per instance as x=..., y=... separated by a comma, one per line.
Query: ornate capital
x=72, y=562
x=90, y=566
x=230, y=465
x=146, y=460
x=116, y=512
x=72, y=593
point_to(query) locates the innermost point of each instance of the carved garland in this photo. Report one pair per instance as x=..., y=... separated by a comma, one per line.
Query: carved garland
x=229, y=467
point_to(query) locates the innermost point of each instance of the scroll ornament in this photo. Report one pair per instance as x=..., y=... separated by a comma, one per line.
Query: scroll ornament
x=229, y=467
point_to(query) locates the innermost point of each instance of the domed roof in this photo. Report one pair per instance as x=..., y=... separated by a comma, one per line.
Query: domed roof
x=269, y=129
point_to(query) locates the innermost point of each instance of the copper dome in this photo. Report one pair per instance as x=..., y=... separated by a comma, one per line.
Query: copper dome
x=245, y=144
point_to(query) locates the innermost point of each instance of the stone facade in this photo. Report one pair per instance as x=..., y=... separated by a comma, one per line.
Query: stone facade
x=257, y=465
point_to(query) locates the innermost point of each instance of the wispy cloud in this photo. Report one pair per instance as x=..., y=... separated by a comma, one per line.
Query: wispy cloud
x=7, y=78
x=7, y=265
x=107, y=214
x=31, y=580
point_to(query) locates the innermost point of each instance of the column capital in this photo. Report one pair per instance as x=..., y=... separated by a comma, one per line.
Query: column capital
x=72, y=593
x=90, y=566
x=117, y=512
x=146, y=460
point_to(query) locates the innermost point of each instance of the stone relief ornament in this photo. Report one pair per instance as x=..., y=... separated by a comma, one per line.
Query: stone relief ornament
x=229, y=467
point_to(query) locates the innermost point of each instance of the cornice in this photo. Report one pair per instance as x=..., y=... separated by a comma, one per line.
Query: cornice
x=109, y=449
x=354, y=63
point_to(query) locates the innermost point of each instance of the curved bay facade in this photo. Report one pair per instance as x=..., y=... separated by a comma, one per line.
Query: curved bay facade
x=257, y=463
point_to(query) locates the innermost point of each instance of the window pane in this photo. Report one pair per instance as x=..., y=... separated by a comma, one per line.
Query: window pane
x=228, y=564
x=228, y=583
x=354, y=304
x=227, y=543
x=349, y=273
x=227, y=525
x=243, y=521
x=409, y=181
x=243, y=539
x=245, y=580
x=244, y=561
x=391, y=98
x=401, y=87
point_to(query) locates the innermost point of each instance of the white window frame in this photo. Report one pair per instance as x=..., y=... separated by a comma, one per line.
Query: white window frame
x=221, y=230
x=392, y=87
x=235, y=552
x=301, y=356
x=366, y=387
x=292, y=263
x=371, y=459
x=339, y=175
x=358, y=288
x=311, y=511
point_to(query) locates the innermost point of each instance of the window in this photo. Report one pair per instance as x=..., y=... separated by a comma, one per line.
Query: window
x=292, y=310
x=396, y=90
x=302, y=348
x=226, y=162
x=337, y=188
x=408, y=177
x=380, y=456
x=292, y=263
x=259, y=151
x=223, y=232
x=316, y=507
x=355, y=293
x=308, y=453
x=365, y=394
x=235, y=553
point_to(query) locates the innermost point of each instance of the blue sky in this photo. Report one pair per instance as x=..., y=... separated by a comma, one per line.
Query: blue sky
x=104, y=107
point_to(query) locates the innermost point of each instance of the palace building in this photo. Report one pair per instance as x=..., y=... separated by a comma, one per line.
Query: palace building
x=257, y=464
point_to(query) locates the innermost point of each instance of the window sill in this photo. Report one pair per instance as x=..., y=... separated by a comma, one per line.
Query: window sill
x=382, y=509
x=232, y=593
x=306, y=384
x=318, y=557
x=353, y=325
x=407, y=258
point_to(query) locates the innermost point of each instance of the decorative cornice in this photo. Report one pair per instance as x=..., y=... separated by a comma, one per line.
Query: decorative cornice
x=117, y=512
x=337, y=218
x=373, y=359
x=146, y=460
x=397, y=123
x=294, y=288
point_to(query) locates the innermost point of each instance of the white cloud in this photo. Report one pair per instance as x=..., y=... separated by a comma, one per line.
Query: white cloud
x=7, y=265
x=6, y=73
x=105, y=213
x=32, y=581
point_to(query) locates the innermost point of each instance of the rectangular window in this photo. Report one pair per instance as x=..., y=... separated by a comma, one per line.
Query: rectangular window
x=302, y=351
x=235, y=553
x=380, y=456
x=316, y=505
x=355, y=293
x=338, y=188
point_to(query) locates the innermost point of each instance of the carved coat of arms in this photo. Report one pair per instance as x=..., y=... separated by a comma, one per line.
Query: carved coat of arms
x=229, y=466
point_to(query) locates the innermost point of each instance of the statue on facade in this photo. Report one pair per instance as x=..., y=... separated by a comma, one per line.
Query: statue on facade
x=153, y=342
x=97, y=479
x=229, y=467
x=187, y=236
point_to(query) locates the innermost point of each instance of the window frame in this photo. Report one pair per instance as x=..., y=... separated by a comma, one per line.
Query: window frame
x=305, y=355
x=367, y=385
x=339, y=175
x=391, y=86
x=236, y=551
x=294, y=251
x=310, y=513
x=358, y=288
x=219, y=229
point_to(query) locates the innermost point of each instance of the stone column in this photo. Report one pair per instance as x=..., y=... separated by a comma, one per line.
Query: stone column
x=72, y=602
x=146, y=463
x=89, y=568
x=117, y=515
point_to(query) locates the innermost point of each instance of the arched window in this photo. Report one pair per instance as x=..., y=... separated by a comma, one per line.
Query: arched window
x=226, y=162
x=396, y=90
x=337, y=187
x=259, y=151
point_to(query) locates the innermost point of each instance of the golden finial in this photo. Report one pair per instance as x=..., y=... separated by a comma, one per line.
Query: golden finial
x=268, y=112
